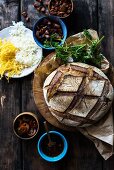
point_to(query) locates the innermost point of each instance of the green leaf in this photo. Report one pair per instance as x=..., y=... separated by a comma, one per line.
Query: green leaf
x=85, y=53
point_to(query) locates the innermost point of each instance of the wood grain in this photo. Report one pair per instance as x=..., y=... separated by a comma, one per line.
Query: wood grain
x=9, y=11
x=22, y=155
x=84, y=16
x=106, y=28
x=10, y=146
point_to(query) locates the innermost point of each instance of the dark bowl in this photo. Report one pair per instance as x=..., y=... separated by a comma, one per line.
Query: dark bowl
x=60, y=155
x=55, y=19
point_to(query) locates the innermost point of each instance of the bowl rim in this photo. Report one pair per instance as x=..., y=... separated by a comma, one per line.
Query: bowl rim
x=59, y=16
x=58, y=157
x=55, y=18
x=21, y=114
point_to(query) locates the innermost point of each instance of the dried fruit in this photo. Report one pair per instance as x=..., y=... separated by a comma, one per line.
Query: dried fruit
x=41, y=6
x=60, y=8
x=25, y=15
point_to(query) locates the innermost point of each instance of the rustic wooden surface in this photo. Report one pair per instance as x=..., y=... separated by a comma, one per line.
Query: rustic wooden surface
x=22, y=155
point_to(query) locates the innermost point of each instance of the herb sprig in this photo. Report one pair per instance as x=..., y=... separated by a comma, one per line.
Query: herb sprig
x=53, y=41
x=87, y=34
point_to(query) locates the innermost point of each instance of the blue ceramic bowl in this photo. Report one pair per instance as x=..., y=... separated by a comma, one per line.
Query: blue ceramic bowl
x=53, y=18
x=58, y=157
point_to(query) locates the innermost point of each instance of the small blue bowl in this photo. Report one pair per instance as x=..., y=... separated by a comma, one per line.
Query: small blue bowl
x=58, y=157
x=53, y=18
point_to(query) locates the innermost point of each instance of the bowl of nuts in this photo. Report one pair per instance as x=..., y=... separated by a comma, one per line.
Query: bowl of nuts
x=26, y=125
x=62, y=8
x=49, y=31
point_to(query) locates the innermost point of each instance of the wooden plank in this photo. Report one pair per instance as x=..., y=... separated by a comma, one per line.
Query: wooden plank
x=80, y=154
x=10, y=146
x=106, y=28
x=109, y=164
x=84, y=16
x=8, y=12
x=10, y=149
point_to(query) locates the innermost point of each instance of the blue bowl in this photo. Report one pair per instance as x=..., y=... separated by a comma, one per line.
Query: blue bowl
x=53, y=18
x=58, y=157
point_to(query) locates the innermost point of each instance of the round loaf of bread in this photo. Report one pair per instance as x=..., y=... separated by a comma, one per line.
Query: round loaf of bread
x=78, y=94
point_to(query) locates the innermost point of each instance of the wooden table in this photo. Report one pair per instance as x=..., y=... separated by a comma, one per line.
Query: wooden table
x=22, y=155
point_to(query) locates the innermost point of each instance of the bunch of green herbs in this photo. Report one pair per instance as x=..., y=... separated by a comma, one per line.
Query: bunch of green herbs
x=89, y=53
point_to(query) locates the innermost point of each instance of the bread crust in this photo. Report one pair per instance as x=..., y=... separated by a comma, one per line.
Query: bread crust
x=78, y=94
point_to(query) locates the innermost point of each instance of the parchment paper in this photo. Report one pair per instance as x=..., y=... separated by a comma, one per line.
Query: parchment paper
x=102, y=134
